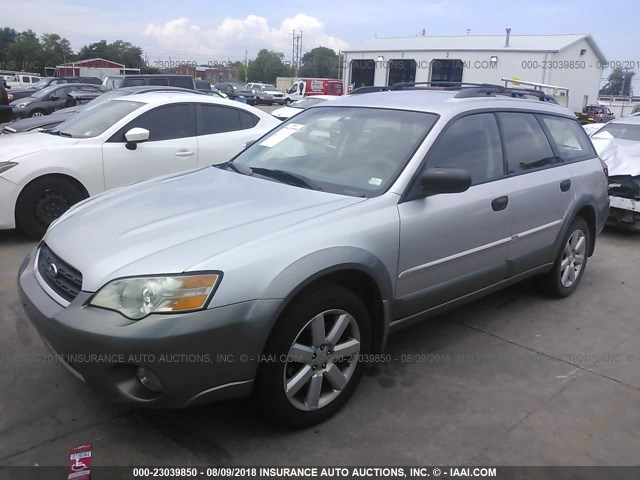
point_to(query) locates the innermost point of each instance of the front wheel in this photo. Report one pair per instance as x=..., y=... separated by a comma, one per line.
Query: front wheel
x=44, y=200
x=571, y=262
x=313, y=359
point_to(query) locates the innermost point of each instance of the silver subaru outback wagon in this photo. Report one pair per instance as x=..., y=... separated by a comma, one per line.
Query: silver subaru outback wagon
x=278, y=273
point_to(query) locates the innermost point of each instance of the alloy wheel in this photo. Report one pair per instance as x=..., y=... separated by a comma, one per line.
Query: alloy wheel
x=321, y=360
x=573, y=258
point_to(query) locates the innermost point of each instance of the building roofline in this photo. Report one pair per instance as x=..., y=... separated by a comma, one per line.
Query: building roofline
x=74, y=64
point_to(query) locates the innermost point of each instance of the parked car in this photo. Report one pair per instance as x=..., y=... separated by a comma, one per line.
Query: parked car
x=64, y=114
x=160, y=79
x=298, y=106
x=263, y=98
x=20, y=80
x=121, y=141
x=290, y=262
x=204, y=86
x=50, y=99
x=268, y=89
x=237, y=92
x=17, y=93
x=307, y=87
x=595, y=114
x=618, y=144
x=5, y=108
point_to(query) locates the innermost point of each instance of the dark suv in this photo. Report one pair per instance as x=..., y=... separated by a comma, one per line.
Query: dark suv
x=118, y=81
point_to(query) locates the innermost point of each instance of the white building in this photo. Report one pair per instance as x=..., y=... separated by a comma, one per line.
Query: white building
x=571, y=61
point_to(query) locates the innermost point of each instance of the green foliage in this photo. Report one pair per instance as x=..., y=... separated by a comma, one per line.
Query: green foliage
x=267, y=66
x=618, y=83
x=320, y=62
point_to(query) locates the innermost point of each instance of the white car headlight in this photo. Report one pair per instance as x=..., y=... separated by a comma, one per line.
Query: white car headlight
x=137, y=297
x=4, y=166
x=22, y=105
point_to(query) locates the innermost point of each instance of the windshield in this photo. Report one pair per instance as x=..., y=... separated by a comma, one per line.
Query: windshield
x=92, y=122
x=307, y=102
x=104, y=98
x=44, y=92
x=39, y=85
x=622, y=131
x=345, y=150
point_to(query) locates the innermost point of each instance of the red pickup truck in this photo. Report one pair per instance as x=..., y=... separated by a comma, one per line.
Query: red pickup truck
x=594, y=114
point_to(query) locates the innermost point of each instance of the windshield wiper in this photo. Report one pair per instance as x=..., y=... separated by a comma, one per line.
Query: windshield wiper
x=59, y=133
x=286, y=177
x=232, y=166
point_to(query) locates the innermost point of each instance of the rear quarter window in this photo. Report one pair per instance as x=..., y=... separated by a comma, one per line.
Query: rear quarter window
x=569, y=137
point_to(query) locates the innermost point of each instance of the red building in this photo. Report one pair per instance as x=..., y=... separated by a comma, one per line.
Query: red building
x=93, y=67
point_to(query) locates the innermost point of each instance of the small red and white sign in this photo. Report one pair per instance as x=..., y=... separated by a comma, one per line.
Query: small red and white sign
x=80, y=463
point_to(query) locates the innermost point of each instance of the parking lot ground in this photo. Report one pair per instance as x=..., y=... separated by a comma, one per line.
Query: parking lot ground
x=513, y=379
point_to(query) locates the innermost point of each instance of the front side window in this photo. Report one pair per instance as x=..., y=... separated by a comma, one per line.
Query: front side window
x=345, y=150
x=95, y=121
x=164, y=123
x=471, y=143
x=570, y=138
x=526, y=144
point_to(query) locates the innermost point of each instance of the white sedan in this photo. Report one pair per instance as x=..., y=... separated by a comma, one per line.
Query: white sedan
x=294, y=108
x=122, y=141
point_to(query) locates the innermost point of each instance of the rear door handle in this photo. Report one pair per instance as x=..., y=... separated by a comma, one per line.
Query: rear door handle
x=184, y=153
x=565, y=185
x=500, y=203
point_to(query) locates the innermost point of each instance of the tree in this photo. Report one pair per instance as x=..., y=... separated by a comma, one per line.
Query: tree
x=320, y=62
x=119, y=51
x=618, y=82
x=26, y=52
x=7, y=37
x=57, y=50
x=267, y=66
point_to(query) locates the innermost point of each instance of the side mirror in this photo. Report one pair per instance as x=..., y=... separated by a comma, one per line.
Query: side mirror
x=135, y=136
x=445, y=180
x=54, y=98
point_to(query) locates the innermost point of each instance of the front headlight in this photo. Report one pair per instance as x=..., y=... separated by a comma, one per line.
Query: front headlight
x=135, y=298
x=22, y=105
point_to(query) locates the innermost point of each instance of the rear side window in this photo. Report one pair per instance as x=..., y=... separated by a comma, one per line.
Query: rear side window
x=158, y=81
x=133, y=82
x=471, y=143
x=215, y=119
x=183, y=82
x=526, y=145
x=570, y=138
x=164, y=123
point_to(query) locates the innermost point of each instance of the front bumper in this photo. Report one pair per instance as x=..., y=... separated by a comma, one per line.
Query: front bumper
x=8, y=195
x=624, y=212
x=199, y=356
x=19, y=113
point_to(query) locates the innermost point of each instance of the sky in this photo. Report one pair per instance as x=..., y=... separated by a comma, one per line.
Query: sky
x=194, y=31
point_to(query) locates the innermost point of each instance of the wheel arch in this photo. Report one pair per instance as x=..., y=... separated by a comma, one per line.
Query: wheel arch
x=355, y=269
x=77, y=183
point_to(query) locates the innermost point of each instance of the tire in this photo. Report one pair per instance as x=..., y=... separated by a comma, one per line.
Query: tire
x=323, y=393
x=42, y=201
x=38, y=113
x=567, y=272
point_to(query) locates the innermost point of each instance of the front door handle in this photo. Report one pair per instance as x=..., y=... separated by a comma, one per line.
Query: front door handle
x=565, y=185
x=499, y=203
x=184, y=153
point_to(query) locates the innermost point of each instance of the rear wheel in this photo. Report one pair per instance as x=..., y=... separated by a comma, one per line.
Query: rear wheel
x=571, y=262
x=313, y=358
x=38, y=113
x=42, y=201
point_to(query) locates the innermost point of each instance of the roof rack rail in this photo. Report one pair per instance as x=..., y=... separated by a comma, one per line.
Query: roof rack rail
x=470, y=90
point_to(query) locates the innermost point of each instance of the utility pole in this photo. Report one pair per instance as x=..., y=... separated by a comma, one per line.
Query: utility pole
x=296, y=52
x=246, y=65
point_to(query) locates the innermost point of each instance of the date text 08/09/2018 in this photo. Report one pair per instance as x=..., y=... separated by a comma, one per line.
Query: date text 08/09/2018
x=315, y=472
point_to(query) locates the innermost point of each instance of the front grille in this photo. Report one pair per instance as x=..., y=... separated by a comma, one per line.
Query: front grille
x=63, y=279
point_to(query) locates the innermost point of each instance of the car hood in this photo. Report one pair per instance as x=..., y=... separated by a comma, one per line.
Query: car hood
x=16, y=146
x=36, y=122
x=621, y=156
x=170, y=224
x=286, y=112
x=23, y=100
